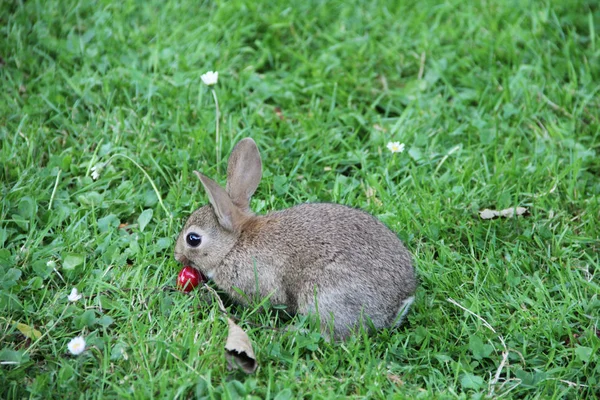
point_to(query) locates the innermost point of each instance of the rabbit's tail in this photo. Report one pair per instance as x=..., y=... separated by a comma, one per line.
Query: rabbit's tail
x=404, y=306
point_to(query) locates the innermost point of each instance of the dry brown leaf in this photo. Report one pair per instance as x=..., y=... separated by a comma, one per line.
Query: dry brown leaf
x=506, y=213
x=238, y=349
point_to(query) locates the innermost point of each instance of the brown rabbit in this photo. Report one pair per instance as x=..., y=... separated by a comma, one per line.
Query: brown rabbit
x=337, y=261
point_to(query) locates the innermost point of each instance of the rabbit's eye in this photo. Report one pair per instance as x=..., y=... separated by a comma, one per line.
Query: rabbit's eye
x=193, y=239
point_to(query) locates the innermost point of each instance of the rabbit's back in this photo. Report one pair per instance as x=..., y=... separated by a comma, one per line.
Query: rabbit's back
x=316, y=235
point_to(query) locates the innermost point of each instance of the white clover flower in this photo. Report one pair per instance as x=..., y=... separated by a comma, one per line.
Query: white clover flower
x=210, y=78
x=51, y=264
x=395, y=147
x=74, y=296
x=77, y=345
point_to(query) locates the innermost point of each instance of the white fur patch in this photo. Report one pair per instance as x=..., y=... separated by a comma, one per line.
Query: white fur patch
x=404, y=309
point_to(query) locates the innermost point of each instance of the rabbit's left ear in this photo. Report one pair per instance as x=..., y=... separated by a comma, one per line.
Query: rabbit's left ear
x=243, y=173
x=227, y=213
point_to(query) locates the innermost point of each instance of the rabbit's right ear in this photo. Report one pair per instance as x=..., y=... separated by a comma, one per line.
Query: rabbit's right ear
x=243, y=173
x=227, y=213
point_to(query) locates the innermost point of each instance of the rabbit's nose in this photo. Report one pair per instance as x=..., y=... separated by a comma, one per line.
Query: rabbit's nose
x=182, y=259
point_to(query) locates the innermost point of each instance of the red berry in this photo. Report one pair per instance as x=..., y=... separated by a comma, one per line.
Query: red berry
x=189, y=278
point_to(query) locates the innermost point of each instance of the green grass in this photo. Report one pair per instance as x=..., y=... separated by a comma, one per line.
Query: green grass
x=496, y=101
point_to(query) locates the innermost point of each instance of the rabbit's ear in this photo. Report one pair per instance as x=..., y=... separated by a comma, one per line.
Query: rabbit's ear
x=227, y=213
x=243, y=173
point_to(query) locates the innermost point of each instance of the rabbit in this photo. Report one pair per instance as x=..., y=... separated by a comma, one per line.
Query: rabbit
x=323, y=259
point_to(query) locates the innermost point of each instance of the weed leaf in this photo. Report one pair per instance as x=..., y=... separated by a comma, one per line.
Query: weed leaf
x=144, y=218
x=72, y=261
x=470, y=381
x=584, y=353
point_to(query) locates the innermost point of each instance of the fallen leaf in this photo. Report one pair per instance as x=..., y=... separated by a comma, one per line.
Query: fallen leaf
x=506, y=213
x=488, y=214
x=238, y=349
x=511, y=212
x=25, y=329
x=29, y=331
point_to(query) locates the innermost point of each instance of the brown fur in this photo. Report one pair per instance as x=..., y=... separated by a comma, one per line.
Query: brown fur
x=335, y=260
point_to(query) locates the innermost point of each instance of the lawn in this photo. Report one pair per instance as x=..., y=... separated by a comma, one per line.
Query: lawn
x=103, y=118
